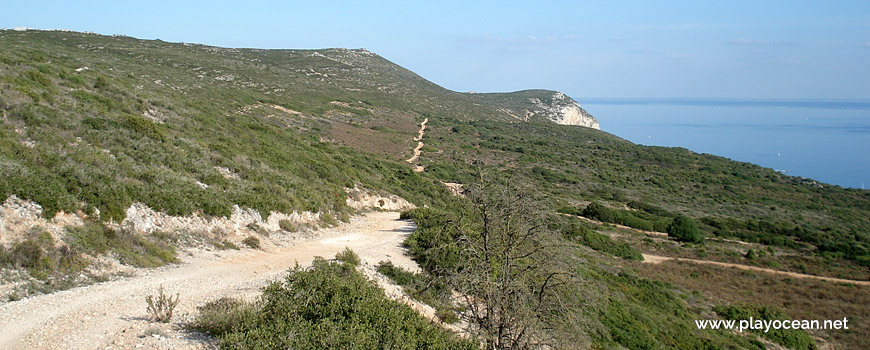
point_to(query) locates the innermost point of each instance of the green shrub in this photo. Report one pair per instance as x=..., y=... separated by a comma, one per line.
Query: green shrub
x=446, y=314
x=600, y=242
x=130, y=248
x=571, y=210
x=398, y=275
x=39, y=255
x=750, y=254
x=684, y=229
x=601, y=213
x=252, y=242
x=348, y=256
x=791, y=338
x=222, y=316
x=224, y=245
x=328, y=220
x=287, y=225
x=332, y=306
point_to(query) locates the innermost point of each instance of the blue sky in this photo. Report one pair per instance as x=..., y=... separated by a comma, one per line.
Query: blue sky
x=666, y=49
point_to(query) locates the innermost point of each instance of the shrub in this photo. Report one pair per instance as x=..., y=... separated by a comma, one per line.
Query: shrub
x=287, y=225
x=446, y=314
x=684, y=229
x=328, y=220
x=600, y=242
x=252, y=242
x=130, y=248
x=332, y=306
x=399, y=276
x=161, y=307
x=348, y=256
x=790, y=338
x=227, y=245
x=750, y=254
x=41, y=258
x=222, y=316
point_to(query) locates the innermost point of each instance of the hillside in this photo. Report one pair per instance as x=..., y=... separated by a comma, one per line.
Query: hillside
x=119, y=151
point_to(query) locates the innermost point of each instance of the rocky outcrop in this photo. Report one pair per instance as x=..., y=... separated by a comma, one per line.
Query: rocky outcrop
x=17, y=216
x=361, y=199
x=562, y=110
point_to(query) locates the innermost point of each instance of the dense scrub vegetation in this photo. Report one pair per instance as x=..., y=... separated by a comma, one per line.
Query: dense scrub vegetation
x=618, y=308
x=327, y=306
x=791, y=338
x=592, y=239
x=724, y=197
x=58, y=266
x=85, y=126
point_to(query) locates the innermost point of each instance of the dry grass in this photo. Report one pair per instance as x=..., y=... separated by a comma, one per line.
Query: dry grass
x=800, y=298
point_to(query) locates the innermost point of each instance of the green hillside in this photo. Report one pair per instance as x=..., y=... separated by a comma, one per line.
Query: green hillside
x=97, y=123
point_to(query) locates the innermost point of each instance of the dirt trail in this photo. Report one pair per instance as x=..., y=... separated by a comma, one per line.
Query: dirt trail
x=417, y=150
x=113, y=314
x=649, y=233
x=655, y=259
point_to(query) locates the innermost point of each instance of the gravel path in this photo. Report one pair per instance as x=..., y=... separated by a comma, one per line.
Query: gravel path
x=112, y=314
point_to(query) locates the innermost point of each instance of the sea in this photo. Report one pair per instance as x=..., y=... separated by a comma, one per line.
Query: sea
x=824, y=140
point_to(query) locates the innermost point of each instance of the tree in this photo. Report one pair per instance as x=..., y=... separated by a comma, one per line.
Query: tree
x=508, y=275
x=684, y=229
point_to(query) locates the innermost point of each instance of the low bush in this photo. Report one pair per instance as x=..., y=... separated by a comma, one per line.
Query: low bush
x=252, y=242
x=348, y=256
x=791, y=338
x=600, y=242
x=326, y=306
x=684, y=229
x=222, y=316
x=39, y=255
x=288, y=225
x=226, y=245
x=160, y=308
x=130, y=248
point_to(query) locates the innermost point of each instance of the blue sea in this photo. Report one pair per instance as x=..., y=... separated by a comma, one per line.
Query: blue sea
x=825, y=140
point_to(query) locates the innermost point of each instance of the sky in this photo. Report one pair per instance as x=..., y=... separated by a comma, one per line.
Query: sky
x=606, y=49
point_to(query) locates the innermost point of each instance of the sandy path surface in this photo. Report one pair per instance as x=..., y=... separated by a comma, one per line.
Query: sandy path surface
x=113, y=314
x=417, y=150
x=655, y=259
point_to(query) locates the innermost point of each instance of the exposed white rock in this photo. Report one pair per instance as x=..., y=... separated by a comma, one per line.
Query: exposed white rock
x=565, y=111
x=361, y=199
x=17, y=216
x=155, y=115
x=227, y=173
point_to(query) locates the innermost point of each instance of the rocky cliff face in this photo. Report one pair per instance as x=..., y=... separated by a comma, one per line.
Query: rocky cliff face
x=563, y=110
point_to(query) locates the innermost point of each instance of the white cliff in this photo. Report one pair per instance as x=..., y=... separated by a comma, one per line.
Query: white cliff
x=563, y=110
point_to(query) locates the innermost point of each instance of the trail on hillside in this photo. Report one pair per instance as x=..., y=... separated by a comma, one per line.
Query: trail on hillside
x=655, y=259
x=417, y=150
x=113, y=314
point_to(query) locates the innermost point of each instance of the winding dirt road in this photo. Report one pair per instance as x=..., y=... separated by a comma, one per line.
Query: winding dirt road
x=417, y=150
x=113, y=314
